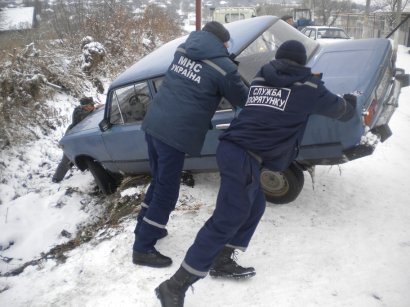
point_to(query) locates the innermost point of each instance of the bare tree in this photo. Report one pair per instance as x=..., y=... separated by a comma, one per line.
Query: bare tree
x=157, y=26
x=391, y=7
x=30, y=75
x=325, y=9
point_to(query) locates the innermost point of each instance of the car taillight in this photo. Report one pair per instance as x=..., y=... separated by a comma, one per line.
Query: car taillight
x=369, y=114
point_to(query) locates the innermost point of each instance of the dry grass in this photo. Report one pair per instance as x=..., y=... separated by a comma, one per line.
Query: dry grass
x=32, y=72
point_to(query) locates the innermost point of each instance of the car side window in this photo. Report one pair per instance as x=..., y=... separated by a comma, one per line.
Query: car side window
x=263, y=49
x=129, y=104
x=313, y=34
x=259, y=52
x=158, y=83
x=323, y=34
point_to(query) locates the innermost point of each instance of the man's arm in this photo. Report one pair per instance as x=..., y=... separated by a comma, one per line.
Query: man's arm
x=235, y=90
x=331, y=105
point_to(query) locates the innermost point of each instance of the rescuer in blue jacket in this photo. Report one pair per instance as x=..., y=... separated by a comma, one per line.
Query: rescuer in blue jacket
x=267, y=132
x=176, y=124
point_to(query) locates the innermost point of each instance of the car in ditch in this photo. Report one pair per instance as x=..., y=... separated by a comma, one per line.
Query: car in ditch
x=111, y=144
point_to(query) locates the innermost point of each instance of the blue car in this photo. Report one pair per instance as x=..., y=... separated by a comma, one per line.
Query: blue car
x=111, y=144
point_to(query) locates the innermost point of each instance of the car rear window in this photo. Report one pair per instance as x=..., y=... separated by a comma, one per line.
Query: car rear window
x=332, y=33
x=263, y=49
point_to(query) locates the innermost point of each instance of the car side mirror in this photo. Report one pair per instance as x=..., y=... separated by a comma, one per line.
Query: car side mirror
x=104, y=125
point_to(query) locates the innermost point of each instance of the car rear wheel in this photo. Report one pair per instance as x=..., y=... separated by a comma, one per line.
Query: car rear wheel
x=105, y=181
x=282, y=187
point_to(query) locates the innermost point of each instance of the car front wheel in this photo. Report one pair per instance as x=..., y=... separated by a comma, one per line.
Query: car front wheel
x=104, y=180
x=282, y=187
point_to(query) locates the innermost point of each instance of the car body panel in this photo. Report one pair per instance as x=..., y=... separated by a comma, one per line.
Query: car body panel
x=351, y=72
x=350, y=66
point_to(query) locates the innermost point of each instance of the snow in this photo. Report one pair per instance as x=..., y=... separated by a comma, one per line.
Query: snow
x=345, y=241
x=17, y=18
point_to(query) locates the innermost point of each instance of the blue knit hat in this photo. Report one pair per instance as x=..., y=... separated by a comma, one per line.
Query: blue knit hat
x=218, y=30
x=292, y=50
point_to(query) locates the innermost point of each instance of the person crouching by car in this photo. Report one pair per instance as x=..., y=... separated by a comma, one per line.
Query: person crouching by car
x=176, y=124
x=289, y=20
x=267, y=133
x=80, y=112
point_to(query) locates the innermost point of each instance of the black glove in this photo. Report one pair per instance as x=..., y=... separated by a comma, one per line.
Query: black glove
x=350, y=99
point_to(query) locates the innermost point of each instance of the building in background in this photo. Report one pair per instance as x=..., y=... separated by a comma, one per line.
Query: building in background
x=230, y=14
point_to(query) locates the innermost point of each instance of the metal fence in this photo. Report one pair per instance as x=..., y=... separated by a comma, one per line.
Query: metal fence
x=379, y=25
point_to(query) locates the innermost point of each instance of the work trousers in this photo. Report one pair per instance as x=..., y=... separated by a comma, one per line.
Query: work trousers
x=62, y=169
x=166, y=165
x=239, y=208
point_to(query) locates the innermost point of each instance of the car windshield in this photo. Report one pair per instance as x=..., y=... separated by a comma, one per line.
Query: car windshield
x=332, y=33
x=263, y=49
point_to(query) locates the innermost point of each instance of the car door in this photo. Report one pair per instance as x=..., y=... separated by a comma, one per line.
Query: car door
x=207, y=161
x=125, y=141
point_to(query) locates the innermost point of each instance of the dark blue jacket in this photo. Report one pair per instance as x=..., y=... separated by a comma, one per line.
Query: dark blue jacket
x=199, y=76
x=281, y=98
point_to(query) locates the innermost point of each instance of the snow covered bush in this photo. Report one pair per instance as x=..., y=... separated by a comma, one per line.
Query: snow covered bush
x=93, y=54
x=31, y=75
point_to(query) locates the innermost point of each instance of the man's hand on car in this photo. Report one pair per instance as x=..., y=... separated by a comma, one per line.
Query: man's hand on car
x=350, y=99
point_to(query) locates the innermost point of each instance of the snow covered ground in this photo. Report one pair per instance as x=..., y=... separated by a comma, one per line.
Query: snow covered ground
x=344, y=242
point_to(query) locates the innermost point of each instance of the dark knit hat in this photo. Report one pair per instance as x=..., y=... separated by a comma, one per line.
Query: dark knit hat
x=86, y=100
x=292, y=50
x=218, y=30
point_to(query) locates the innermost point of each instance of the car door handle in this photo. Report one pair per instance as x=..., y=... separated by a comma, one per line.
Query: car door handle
x=222, y=126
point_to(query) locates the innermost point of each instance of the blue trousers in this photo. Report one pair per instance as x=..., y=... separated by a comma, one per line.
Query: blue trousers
x=166, y=165
x=239, y=208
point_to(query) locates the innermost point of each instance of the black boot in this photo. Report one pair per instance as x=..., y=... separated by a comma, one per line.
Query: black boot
x=225, y=265
x=171, y=292
x=152, y=259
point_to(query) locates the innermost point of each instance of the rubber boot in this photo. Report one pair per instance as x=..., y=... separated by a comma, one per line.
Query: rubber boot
x=171, y=292
x=225, y=265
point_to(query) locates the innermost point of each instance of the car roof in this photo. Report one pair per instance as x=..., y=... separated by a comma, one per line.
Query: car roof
x=155, y=64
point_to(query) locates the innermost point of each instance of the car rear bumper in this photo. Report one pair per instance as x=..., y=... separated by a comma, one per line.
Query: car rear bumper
x=333, y=153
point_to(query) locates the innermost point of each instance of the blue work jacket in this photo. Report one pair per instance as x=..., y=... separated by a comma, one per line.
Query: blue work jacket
x=199, y=76
x=281, y=98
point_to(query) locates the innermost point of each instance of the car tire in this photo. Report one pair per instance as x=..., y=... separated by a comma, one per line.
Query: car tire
x=105, y=181
x=282, y=187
